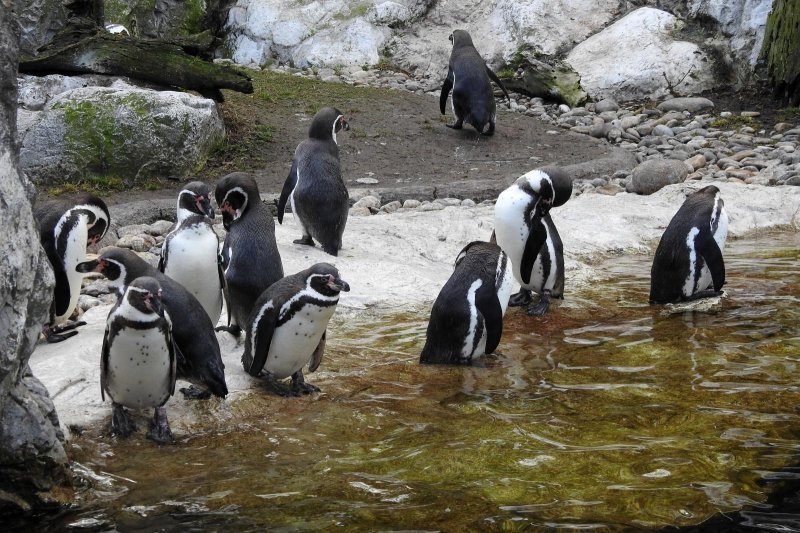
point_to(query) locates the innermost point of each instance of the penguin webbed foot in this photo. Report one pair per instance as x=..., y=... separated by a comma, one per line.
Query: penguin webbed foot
x=233, y=330
x=489, y=131
x=457, y=125
x=709, y=293
x=540, y=307
x=301, y=386
x=305, y=240
x=195, y=393
x=53, y=334
x=122, y=424
x=159, y=427
x=523, y=297
x=277, y=386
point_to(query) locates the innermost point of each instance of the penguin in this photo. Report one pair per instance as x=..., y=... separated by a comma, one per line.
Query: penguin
x=138, y=361
x=199, y=359
x=250, y=258
x=286, y=330
x=467, y=317
x=315, y=188
x=688, y=263
x=468, y=76
x=527, y=234
x=190, y=252
x=66, y=228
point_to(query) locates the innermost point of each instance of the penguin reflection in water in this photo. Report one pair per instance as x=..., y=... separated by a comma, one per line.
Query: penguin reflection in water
x=315, y=188
x=527, y=234
x=288, y=326
x=468, y=77
x=467, y=317
x=688, y=263
x=137, y=367
x=66, y=228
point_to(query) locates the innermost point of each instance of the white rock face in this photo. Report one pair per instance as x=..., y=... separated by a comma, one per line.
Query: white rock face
x=743, y=20
x=355, y=43
x=636, y=57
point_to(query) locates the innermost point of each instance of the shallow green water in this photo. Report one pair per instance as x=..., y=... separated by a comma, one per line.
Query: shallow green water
x=604, y=414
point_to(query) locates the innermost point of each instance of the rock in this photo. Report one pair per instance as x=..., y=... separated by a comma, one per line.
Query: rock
x=738, y=156
x=467, y=203
x=121, y=131
x=171, y=18
x=448, y=201
x=411, y=204
x=563, y=108
x=432, y=206
x=367, y=181
x=133, y=229
x=609, y=189
x=743, y=20
x=654, y=174
x=782, y=127
x=87, y=302
x=369, y=202
x=663, y=131
x=739, y=173
x=159, y=228
x=354, y=43
x=391, y=207
x=137, y=243
x=96, y=288
x=39, y=21
x=637, y=57
x=794, y=180
x=606, y=104
x=692, y=105
x=391, y=14
x=697, y=161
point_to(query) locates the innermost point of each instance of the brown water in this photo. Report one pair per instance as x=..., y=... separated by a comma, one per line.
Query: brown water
x=605, y=414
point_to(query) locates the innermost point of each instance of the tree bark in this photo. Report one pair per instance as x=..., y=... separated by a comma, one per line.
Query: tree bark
x=781, y=49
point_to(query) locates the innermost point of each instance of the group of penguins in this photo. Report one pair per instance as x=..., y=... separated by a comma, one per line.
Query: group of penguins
x=162, y=327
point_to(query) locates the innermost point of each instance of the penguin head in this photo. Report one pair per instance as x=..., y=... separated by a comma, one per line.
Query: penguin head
x=327, y=123
x=144, y=294
x=551, y=186
x=98, y=217
x=325, y=279
x=195, y=199
x=461, y=38
x=114, y=263
x=234, y=193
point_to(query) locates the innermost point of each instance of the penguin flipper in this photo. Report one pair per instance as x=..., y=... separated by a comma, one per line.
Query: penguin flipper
x=263, y=329
x=709, y=250
x=489, y=306
x=162, y=259
x=104, y=364
x=446, y=87
x=288, y=189
x=499, y=83
x=172, y=346
x=316, y=357
x=536, y=239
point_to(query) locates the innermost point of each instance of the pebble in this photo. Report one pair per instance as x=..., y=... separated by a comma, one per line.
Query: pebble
x=391, y=207
x=137, y=243
x=367, y=181
x=359, y=212
x=467, y=203
x=367, y=202
x=411, y=204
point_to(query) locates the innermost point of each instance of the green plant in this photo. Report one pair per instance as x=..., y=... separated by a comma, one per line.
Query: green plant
x=734, y=122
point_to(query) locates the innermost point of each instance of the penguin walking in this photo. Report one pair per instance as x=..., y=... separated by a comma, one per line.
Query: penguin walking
x=286, y=330
x=688, y=263
x=527, y=234
x=190, y=252
x=66, y=228
x=315, y=188
x=199, y=359
x=467, y=317
x=469, y=78
x=250, y=258
x=137, y=367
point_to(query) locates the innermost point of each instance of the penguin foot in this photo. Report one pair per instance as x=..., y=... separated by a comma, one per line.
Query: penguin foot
x=540, y=307
x=122, y=424
x=195, y=393
x=307, y=240
x=300, y=386
x=523, y=297
x=489, y=131
x=710, y=293
x=53, y=334
x=233, y=330
x=278, y=387
x=455, y=126
x=331, y=250
x=159, y=427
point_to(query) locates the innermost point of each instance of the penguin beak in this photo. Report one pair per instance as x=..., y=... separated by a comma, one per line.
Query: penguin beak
x=338, y=284
x=204, y=205
x=153, y=303
x=345, y=125
x=96, y=265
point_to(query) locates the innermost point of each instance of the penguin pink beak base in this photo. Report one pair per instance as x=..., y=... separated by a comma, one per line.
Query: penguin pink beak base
x=338, y=284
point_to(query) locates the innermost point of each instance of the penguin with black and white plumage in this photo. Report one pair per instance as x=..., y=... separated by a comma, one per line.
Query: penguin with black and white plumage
x=314, y=187
x=688, y=264
x=250, y=258
x=469, y=78
x=66, y=228
x=138, y=361
x=199, y=358
x=527, y=234
x=467, y=317
x=190, y=252
x=287, y=328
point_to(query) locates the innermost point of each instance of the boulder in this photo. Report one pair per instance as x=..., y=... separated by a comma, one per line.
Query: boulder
x=353, y=43
x=162, y=19
x=690, y=104
x=638, y=57
x=120, y=131
x=39, y=21
x=606, y=104
x=743, y=21
x=650, y=176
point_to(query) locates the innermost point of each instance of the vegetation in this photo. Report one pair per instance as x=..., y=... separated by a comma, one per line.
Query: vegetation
x=734, y=122
x=781, y=49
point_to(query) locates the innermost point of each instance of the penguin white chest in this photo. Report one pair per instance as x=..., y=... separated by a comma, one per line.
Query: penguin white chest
x=75, y=253
x=192, y=262
x=295, y=340
x=139, y=368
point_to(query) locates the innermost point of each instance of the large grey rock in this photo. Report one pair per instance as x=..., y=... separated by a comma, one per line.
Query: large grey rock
x=121, y=131
x=638, y=57
x=690, y=104
x=39, y=20
x=743, y=20
x=354, y=43
x=650, y=176
x=32, y=457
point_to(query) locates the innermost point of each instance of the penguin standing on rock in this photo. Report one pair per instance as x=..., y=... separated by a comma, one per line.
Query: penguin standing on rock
x=137, y=367
x=688, y=264
x=287, y=328
x=314, y=187
x=190, y=252
x=527, y=234
x=250, y=258
x=469, y=78
x=66, y=228
x=199, y=359
x=467, y=316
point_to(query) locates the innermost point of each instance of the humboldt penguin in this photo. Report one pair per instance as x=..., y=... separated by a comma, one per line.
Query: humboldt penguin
x=138, y=361
x=286, y=330
x=190, y=252
x=527, y=234
x=315, y=188
x=250, y=258
x=199, y=359
x=688, y=264
x=469, y=78
x=66, y=228
x=467, y=317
